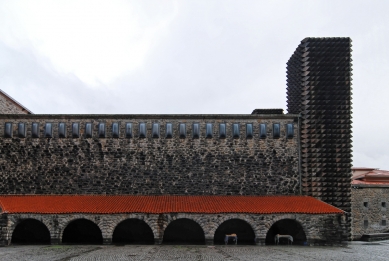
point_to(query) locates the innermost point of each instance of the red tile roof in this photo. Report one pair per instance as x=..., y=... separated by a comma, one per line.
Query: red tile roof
x=371, y=176
x=99, y=204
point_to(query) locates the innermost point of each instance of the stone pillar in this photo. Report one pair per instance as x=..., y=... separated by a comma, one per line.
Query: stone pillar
x=107, y=241
x=55, y=241
x=259, y=241
x=209, y=241
x=157, y=241
x=3, y=229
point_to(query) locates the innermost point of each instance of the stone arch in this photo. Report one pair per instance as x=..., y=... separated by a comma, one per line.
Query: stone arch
x=30, y=231
x=164, y=220
x=151, y=221
x=82, y=230
x=223, y=218
x=287, y=226
x=64, y=221
x=133, y=230
x=243, y=230
x=184, y=231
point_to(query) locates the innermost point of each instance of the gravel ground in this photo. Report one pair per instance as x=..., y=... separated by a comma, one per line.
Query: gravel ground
x=355, y=251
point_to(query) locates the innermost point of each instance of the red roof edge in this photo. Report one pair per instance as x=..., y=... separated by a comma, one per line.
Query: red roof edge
x=118, y=204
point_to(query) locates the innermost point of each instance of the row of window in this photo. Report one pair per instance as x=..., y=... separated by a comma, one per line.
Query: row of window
x=155, y=130
x=366, y=204
x=366, y=223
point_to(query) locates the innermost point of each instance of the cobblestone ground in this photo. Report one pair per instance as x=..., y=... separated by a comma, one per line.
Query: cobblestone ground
x=355, y=251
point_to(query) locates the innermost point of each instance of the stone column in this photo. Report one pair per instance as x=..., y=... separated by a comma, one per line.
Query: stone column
x=107, y=241
x=55, y=241
x=157, y=241
x=209, y=241
x=3, y=229
x=260, y=241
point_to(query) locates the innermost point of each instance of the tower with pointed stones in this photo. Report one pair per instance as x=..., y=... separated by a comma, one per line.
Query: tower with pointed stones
x=319, y=89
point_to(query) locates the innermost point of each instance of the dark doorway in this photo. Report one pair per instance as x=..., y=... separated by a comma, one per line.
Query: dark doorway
x=82, y=231
x=184, y=231
x=30, y=231
x=241, y=228
x=133, y=231
x=286, y=227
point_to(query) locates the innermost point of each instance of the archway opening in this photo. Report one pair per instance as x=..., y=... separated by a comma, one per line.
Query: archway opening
x=133, y=231
x=82, y=231
x=286, y=227
x=31, y=231
x=184, y=231
x=241, y=228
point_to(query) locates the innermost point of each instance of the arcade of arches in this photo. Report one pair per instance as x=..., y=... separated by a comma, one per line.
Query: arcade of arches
x=177, y=228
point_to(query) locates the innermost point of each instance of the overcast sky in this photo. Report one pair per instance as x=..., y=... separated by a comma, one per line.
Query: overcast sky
x=213, y=57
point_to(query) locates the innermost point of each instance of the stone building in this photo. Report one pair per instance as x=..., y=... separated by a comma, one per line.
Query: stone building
x=370, y=199
x=188, y=178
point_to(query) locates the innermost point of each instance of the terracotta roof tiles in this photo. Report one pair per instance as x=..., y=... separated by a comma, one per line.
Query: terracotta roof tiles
x=100, y=204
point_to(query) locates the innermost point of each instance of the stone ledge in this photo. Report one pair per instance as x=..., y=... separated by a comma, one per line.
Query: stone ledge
x=149, y=116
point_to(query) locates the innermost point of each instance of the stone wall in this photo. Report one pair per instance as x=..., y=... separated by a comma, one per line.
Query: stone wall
x=3, y=229
x=149, y=166
x=8, y=106
x=319, y=229
x=370, y=209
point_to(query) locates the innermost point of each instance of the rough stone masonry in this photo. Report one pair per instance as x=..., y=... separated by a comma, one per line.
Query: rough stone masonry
x=149, y=166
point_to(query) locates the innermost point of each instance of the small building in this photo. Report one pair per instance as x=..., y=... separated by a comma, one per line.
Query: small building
x=369, y=201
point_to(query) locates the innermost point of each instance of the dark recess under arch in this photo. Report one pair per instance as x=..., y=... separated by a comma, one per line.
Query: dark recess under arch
x=184, y=231
x=241, y=228
x=286, y=227
x=82, y=231
x=31, y=231
x=133, y=231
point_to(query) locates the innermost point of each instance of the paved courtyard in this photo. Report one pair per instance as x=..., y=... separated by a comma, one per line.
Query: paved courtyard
x=355, y=251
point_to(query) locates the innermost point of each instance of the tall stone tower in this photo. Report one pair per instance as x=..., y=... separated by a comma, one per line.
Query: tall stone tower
x=319, y=88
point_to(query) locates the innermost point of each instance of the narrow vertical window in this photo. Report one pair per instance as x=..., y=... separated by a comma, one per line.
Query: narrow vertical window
x=365, y=223
x=115, y=130
x=262, y=131
x=289, y=131
x=276, y=130
x=128, y=130
x=182, y=130
x=222, y=131
x=8, y=130
x=142, y=130
x=35, y=130
x=101, y=130
x=383, y=222
x=21, y=130
x=155, y=130
x=48, y=130
x=62, y=130
x=196, y=131
x=88, y=130
x=75, y=130
x=169, y=131
x=208, y=130
x=365, y=204
x=383, y=204
x=249, y=131
x=235, y=131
